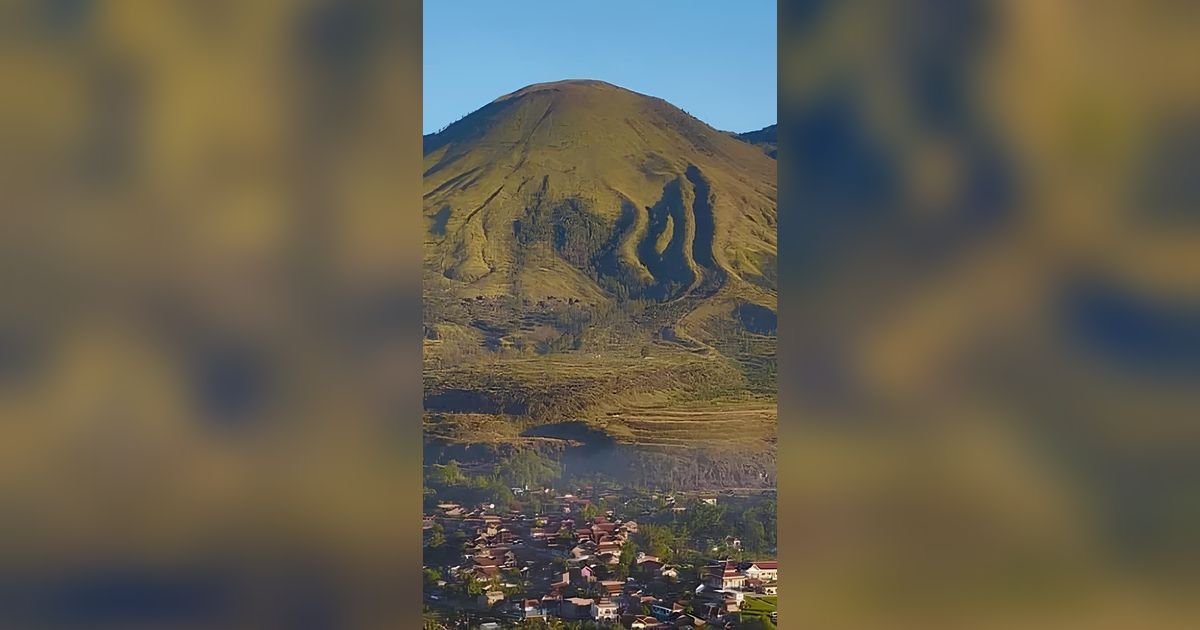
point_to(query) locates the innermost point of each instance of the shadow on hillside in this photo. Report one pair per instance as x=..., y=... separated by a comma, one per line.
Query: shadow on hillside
x=588, y=438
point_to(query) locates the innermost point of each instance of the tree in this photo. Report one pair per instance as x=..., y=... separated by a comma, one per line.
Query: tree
x=431, y=576
x=472, y=587
x=437, y=535
x=446, y=475
x=657, y=541
x=755, y=535
x=758, y=623
x=628, y=558
x=528, y=468
x=703, y=519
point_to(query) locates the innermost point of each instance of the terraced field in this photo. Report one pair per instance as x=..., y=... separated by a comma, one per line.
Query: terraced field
x=747, y=426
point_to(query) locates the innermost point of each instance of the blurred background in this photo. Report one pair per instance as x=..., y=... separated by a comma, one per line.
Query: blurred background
x=991, y=289
x=209, y=337
x=209, y=332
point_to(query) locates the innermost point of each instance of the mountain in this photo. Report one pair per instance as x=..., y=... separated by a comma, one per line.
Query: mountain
x=764, y=138
x=563, y=188
x=593, y=254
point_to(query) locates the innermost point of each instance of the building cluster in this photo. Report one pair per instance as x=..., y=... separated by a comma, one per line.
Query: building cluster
x=560, y=564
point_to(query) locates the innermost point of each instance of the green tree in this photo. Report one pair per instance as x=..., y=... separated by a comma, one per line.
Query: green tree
x=437, y=536
x=528, y=468
x=431, y=576
x=755, y=536
x=758, y=623
x=628, y=558
x=446, y=474
x=703, y=519
x=472, y=587
x=657, y=540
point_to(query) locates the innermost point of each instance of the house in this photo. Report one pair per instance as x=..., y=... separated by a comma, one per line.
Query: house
x=724, y=576
x=644, y=623
x=564, y=579
x=765, y=570
x=551, y=603
x=608, y=545
x=612, y=587
x=490, y=598
x=575, y=608
x=714, y=610
x=484, y=559
x=604, y=610
x=650, y=565
x=486, y=573
x=531, y=609
x=664, y=611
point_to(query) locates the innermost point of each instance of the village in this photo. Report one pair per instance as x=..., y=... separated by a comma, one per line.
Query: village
x=582, y=560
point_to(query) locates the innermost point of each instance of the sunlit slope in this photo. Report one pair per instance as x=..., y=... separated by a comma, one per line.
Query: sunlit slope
x=597, y=255
x=581, y=189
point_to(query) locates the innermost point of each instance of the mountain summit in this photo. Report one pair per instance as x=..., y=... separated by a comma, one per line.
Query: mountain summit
x=582, y=189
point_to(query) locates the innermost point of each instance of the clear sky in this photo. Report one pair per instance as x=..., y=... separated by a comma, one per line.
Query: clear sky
x=713, y=58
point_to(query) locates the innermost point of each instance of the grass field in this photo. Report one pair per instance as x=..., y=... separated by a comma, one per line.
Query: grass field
x=759, y=606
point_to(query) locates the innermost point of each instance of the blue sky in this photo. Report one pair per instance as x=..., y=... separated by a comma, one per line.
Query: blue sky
x=713, y=58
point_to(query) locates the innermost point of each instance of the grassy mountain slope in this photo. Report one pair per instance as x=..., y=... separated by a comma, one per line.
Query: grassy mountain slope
x=590, y=248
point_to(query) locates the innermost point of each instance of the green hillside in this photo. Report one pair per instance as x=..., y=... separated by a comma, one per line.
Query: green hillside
x=589, y=248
